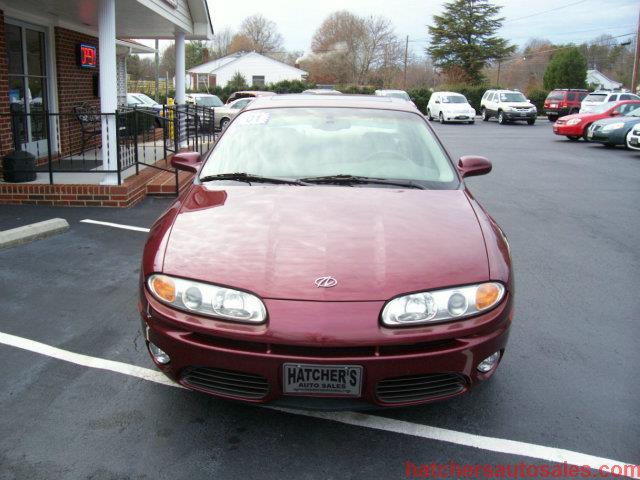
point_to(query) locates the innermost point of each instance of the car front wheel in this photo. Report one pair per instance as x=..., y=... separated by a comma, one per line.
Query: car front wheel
x=441, y=117
x=223, y=123
x=573, y=138
x=485, y=115
x=501, y=119
x=429, y=117
x=531, y=121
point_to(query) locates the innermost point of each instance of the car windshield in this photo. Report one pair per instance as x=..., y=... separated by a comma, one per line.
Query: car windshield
x=454, y=99
x=555, y=96
x=209, y=101
x=634, y=113
x=512, y=97
x=144, y=99
x=595, y=97
x=301, y=142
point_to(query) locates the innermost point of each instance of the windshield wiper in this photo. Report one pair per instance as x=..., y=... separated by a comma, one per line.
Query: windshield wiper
x=355, y=179
x=248, y=178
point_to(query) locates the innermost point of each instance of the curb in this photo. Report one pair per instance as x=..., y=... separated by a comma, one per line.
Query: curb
x=34, y=231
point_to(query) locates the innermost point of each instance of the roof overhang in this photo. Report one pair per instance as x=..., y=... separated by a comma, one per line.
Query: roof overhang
x=134, y=18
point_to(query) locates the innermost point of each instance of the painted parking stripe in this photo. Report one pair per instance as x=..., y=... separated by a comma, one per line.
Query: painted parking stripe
x=481, y=442
x=115, y=225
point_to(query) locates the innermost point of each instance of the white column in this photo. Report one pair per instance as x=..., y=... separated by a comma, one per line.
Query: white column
x=108, y=87
x=180, y=68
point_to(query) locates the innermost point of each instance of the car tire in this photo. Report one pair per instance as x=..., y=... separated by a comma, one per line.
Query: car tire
x=223, y=123
x=552, y=118
x=441, y=118
x=472, y=122
x=531, y=121
x=429, y=117
x=573, y=138
x=485, y=115
x=501, y=119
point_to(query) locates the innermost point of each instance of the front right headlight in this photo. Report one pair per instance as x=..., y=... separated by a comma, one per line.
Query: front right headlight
x=207, y=299
x=574, y=121
x=442, y=305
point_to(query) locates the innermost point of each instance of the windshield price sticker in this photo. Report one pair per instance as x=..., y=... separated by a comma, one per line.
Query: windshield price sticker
x=254, y=118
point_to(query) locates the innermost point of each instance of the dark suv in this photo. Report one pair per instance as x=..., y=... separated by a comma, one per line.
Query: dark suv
x=563, y=101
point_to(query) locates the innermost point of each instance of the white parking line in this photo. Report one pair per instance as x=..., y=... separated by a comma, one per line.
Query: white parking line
x=115, y=225
x=500, y=445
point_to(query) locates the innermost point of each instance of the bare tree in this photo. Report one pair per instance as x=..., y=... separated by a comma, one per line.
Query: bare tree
x=354, y=47
x=221, y=43
x=263, y=34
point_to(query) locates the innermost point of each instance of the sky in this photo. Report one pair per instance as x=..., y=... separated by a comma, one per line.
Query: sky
x=569, y=20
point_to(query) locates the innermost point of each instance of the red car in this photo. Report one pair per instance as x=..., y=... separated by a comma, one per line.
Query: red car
x=563, y=101
x=575, y=126
x=327, y=255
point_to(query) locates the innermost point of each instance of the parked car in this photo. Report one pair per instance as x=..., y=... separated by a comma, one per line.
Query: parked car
x=286, y=270
x=248, y=94
x=563, y=101
x=633, y=138
x=600, y=99
x=141, y=101
x=322, y=91
x=613, y=131
x=575, y=126
x=401, y=94
x=507, y=106
x=450, y=107
x=223, y=115
x=203, y=100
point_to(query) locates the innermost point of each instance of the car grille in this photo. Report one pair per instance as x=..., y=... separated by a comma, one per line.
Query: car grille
x=226, y=382
x=522, y=109
x=419, y=387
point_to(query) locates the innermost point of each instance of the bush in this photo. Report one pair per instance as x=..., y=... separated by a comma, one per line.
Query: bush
x=420, y=96
x=537, y=97
x=356, y=89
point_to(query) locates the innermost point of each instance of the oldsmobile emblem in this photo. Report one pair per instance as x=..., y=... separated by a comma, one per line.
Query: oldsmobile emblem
x=326, y=282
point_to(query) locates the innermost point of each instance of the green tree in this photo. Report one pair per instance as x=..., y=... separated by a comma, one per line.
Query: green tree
x=567, y=69
x=463, y=38
x=237, y=82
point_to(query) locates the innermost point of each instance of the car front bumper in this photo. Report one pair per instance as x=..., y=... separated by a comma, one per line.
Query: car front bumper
x=513, y=116
x=568, y=130
x=633, y=141
x=443, y=366
x=614, y=137
x=458, y=117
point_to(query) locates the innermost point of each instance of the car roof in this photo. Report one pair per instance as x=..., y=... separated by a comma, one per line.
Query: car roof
x=335, y=101
x=452, y=93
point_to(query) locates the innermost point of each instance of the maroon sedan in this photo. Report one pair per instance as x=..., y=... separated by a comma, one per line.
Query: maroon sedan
x=327, y=255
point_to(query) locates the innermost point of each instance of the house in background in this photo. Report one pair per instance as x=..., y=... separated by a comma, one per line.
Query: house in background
x=256, y=69
x=595, y=77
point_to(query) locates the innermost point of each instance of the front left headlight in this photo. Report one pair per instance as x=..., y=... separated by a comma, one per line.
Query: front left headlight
x=207, y=299
x=442, y=305
x=612, y=126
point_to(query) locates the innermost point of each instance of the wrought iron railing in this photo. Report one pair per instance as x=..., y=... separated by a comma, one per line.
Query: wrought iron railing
x=71, y=142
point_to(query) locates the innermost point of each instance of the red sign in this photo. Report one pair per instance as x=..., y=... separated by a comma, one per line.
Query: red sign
x=87, y=56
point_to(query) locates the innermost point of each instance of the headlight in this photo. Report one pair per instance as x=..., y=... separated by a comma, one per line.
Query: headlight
x=574, y=121
x=441, y=305
x=205, y=299
x=612, y=126
x=510, y=109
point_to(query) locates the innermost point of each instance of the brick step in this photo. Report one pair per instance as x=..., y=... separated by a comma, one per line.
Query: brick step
x=164, y=183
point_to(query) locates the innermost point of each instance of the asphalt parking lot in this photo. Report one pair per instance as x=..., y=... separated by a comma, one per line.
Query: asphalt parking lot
x=568, y=381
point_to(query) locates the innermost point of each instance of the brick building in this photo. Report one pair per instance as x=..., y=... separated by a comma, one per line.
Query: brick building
x=59, y=54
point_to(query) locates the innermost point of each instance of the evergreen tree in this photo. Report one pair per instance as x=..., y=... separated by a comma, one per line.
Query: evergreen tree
x=463, y=38
x=567, y=69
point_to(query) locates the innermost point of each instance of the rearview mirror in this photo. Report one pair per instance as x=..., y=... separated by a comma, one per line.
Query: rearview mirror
x=186, y=161
x=471, y=165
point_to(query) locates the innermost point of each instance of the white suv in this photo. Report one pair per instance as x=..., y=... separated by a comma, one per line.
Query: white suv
x=507, y=106
x=450, y=107
x=600, y=100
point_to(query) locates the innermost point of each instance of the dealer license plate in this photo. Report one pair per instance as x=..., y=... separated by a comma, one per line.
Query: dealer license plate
x=342, y=380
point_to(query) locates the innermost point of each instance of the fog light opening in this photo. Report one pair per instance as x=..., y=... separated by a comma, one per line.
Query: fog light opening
x=158, y=355
x=489, y=363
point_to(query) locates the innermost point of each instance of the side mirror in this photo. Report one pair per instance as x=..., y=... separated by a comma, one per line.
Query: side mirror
x=186, y=161
x=471, y=165
x=615, y=113
x=437, y=101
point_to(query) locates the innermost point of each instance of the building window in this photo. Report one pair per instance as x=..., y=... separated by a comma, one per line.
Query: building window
x=258, y=80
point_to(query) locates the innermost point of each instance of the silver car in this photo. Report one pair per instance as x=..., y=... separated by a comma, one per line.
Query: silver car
x=226, y=113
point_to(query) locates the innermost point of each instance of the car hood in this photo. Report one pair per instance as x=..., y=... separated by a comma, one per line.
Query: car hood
x=276, y=241
x=625, y=120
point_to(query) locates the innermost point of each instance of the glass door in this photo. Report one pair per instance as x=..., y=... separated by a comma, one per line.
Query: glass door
x=26, y=57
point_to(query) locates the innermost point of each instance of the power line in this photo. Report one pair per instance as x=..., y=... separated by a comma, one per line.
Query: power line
x=545, y=11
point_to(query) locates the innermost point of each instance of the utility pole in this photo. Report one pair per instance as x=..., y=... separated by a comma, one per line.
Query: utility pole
x=406, y=54
x=636, y=60
x=157, y=62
